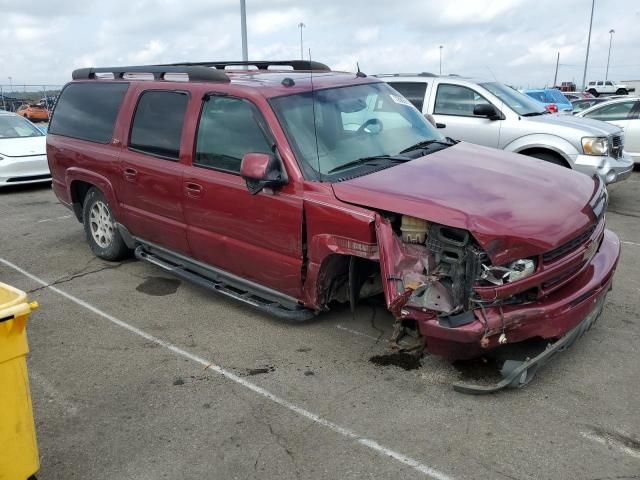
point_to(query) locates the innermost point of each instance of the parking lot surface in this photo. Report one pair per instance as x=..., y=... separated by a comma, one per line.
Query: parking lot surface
x=138, y=375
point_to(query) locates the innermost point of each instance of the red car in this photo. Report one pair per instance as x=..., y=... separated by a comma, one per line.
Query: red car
x=294, y=189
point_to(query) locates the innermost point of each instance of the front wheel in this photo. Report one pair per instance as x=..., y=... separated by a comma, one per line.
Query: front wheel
x=100, y=228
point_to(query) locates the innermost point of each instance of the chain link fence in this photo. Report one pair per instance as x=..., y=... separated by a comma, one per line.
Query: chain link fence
x=14, y=95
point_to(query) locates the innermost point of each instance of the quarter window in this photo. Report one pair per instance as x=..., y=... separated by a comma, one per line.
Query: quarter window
x=457, y=100
x=229, y=128
x=157, y=123
x=412, y=91
x=612, y=112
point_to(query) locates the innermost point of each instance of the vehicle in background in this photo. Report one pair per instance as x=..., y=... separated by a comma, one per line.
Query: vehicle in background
x=577, y=95
x=23, y=157
x=34, y=112
x=553, y=100
x=625, y=113
x=584, y=103
x=567, y=87
x=492, y=114
x=292, y=193
x=608, y=87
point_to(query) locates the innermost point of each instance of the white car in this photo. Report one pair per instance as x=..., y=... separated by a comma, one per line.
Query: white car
x=625, y=113
x=23, y=151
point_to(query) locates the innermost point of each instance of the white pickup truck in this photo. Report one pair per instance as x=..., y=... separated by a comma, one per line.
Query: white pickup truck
x=608, y=87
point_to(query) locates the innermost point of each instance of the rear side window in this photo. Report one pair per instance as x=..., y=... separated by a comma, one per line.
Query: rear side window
x=157, y=123
x=412, y=91
x=88, y=111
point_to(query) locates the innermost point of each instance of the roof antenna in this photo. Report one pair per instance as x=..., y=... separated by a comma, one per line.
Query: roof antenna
x=360, y=74
x=313, y=109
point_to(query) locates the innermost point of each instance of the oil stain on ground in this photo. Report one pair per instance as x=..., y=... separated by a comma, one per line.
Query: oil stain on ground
x=403, y=360
x=159, y=286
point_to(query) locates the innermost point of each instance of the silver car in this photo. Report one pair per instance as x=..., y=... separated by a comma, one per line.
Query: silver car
x=495, y=115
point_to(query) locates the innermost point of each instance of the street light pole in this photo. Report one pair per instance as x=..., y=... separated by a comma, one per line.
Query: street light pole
x=611, y=32
x=243, y=27
x=586, y=59
x=301, y=26
x=441, y=59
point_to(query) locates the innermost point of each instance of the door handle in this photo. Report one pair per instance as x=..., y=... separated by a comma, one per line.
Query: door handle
x=130, y=174
x=193, y=190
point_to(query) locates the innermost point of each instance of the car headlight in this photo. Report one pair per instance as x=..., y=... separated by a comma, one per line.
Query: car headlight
x=595, y=145
x=510, y=273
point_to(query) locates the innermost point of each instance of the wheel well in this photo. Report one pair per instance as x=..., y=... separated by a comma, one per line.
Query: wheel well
x=79, y=191
x=532, y=151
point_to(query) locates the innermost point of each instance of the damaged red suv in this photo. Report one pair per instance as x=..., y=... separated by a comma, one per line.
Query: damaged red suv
x=289, y=187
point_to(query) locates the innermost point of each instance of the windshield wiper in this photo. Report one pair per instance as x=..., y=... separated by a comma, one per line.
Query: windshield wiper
x=426, y=143
x=360, y=161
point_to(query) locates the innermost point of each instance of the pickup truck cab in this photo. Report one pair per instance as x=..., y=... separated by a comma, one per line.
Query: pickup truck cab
x=294, y=190
x=492, y=114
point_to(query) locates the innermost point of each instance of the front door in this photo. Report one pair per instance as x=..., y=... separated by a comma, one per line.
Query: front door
x=257, y=237
x=151, y=172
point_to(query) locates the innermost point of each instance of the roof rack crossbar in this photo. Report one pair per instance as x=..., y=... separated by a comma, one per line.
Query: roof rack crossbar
x=260, y=64
x=195, y=73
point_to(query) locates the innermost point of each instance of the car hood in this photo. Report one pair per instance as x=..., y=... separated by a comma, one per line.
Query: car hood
x=595, y=128
x=23, y=146
x=514, y=206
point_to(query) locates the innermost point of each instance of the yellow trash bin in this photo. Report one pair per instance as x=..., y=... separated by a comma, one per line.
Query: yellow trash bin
x=18, y=446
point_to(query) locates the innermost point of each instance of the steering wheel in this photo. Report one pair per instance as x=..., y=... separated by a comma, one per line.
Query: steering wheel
x=370, y=123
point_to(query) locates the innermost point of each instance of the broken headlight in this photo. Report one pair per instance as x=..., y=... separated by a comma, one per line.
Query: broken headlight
x=510, y=273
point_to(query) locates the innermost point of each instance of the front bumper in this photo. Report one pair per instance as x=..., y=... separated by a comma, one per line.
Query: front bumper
x=609, y=169
x=549, y=318
x=21, y=170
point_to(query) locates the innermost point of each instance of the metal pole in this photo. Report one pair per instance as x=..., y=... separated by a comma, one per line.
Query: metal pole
x=555, y=77
x=611, y=32
x=300, y=26
x=440, y=59
x=586, y=59
x=243, y=26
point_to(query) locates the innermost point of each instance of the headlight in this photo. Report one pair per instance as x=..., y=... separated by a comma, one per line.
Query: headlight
x=510, y=273
x=595, y=145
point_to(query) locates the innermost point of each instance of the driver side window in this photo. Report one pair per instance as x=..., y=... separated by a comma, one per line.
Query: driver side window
x=457, y=100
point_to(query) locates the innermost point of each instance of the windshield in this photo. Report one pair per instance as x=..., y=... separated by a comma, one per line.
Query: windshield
x=518, y=102
x=13, y=126
x=351, y=123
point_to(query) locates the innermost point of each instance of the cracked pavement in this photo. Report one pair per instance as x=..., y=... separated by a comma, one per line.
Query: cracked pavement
x=110, y=404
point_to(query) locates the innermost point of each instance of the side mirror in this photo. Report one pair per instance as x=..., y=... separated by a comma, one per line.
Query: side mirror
x=261, y=170
x=486, y=110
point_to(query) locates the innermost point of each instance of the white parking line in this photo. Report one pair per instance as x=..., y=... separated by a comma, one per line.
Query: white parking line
x=346, y=432
x=611, y=441
x=355, y=332
x=54, y=219
x=631, y=243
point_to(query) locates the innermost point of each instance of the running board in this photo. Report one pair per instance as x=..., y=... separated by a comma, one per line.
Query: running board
x=295, y=314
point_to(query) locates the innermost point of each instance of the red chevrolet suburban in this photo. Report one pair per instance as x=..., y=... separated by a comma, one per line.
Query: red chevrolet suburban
x=288, y=187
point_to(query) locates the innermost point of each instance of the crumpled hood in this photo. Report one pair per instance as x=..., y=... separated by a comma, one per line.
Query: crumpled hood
x=515, y=206
x=24, y=146
x=589, y=126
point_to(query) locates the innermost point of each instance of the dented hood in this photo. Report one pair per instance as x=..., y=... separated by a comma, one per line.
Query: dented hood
x=515, y=206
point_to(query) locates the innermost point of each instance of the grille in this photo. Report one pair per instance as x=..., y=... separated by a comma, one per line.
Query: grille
x=616, y=146
x=551, y=255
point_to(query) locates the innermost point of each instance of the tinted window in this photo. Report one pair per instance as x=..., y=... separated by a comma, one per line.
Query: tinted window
x=611, y=112
x=228, y=129
x=457, y=100
x=414, y=92
x=88, y=111
x=157, y=123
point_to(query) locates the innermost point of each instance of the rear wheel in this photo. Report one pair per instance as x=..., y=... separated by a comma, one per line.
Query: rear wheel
x=100, y=227
x=593, y=92
x=548, y=157
x=622, y=91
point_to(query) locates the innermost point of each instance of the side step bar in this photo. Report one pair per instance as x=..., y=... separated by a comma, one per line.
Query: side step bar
x=296, y=314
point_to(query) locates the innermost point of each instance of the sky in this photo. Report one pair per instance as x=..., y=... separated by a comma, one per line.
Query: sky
x=514, y=41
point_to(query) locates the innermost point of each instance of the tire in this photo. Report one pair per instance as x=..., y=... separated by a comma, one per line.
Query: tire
x=548, y=157
x=622, y=91
x=100, y=228
x=593, y=92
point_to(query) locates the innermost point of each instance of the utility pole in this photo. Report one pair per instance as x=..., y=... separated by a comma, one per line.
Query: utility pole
x=555, y=77
x=586, y=59
x=441, y=59
x=611, y=32
x=301, y=26
x=243, y=27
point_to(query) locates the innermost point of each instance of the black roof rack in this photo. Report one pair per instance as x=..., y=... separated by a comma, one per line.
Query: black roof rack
x=260, y=64
x=195, y=73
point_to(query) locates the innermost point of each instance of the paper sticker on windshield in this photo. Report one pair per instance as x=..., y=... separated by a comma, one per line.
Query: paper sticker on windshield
x=400, y=100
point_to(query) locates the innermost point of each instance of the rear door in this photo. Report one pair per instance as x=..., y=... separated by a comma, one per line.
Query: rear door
x=151, y=172
x=257, y=237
